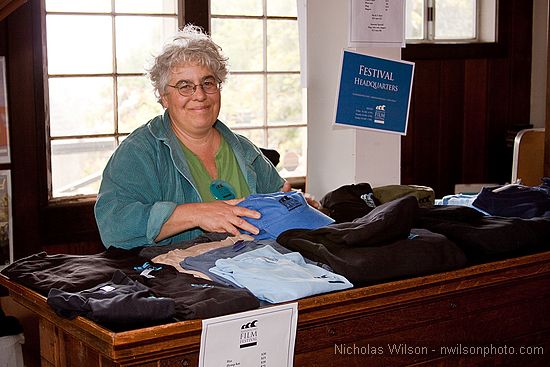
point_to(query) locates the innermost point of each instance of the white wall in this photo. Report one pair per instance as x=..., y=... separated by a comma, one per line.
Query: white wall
x=539, y=62
x=340, y=156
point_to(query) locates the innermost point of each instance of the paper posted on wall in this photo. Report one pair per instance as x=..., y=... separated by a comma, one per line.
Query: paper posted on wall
x=374, y=93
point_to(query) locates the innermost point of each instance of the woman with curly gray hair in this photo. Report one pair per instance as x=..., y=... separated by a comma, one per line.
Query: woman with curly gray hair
x=183, y=172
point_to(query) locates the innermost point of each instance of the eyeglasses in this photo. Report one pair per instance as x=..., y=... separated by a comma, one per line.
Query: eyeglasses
x=187, y=89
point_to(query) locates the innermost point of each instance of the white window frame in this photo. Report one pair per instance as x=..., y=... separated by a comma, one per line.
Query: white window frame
x=485, y=23
x=265, y=125
x=114, y=75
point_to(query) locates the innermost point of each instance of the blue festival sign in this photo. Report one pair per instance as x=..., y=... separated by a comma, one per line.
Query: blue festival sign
x=374, y=93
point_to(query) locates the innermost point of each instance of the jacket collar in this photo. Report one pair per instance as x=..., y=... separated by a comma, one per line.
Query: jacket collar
x=161, y=129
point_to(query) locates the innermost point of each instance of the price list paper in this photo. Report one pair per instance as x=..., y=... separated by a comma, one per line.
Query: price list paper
x=264, y=337
x=377, y=23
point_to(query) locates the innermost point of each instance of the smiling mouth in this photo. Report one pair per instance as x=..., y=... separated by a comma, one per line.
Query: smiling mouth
x=200, y=108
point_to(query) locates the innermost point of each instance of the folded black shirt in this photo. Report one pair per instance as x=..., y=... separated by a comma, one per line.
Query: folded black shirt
x=515, y=201
x=390, y=221
x=119, y=301
x=422, y=253
x=349, y=202
x=381, y=245
x=484, y=237
x=193, y=297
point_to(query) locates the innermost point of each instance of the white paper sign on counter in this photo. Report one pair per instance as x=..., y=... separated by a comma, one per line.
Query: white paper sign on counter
x=263, y=337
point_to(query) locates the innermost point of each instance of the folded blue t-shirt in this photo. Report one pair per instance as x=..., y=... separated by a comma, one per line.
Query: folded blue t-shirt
x=282, y=211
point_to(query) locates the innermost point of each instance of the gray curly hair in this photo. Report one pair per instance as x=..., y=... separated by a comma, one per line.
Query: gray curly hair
x=190, y=45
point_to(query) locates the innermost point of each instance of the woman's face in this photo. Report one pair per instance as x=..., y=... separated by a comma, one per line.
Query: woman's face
x=197, y=113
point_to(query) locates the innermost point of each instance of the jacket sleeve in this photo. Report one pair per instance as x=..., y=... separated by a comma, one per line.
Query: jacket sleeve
x=129, y=209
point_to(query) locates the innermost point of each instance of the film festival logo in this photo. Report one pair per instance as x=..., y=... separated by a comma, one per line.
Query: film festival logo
x=289, y=202
x=249, y=335
x=380, y=114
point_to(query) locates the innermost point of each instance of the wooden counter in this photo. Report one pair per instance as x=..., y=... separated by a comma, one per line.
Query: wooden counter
x=502, y=306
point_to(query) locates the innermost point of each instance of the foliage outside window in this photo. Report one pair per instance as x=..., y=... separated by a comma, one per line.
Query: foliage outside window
x=263, y=97
x=97, y=52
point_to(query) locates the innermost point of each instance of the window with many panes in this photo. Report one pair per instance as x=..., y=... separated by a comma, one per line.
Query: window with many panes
x=263, y=98
x=98, y=93
x=97, y=55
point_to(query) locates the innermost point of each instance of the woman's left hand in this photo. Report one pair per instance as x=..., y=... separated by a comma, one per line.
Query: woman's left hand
x=310, y=199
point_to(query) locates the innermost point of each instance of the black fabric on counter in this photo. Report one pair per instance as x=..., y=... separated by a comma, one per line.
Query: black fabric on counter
x=377, y=246
x=515, y=201
x=194, y=297
x=423, y=253
x=120, y=301
x=390, y=221
x=200, y=299
x=71, y=273
x=345, y=203
x=485, y=238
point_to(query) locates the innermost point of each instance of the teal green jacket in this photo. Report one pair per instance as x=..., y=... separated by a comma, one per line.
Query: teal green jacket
x=148, y=176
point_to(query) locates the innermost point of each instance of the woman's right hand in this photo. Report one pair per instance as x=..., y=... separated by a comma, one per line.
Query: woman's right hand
x=215, y=216
x=225, y=216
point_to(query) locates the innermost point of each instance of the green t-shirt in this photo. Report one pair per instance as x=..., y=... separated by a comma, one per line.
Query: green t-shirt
x=228, y=171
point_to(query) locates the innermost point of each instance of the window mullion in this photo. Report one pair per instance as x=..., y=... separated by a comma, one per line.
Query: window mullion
x=265, y=124
x=430, y=19
x=114, y=75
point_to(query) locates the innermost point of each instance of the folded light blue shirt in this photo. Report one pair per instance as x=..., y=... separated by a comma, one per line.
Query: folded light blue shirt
x=148, y=176
x=274, y=277
x=204, y=262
